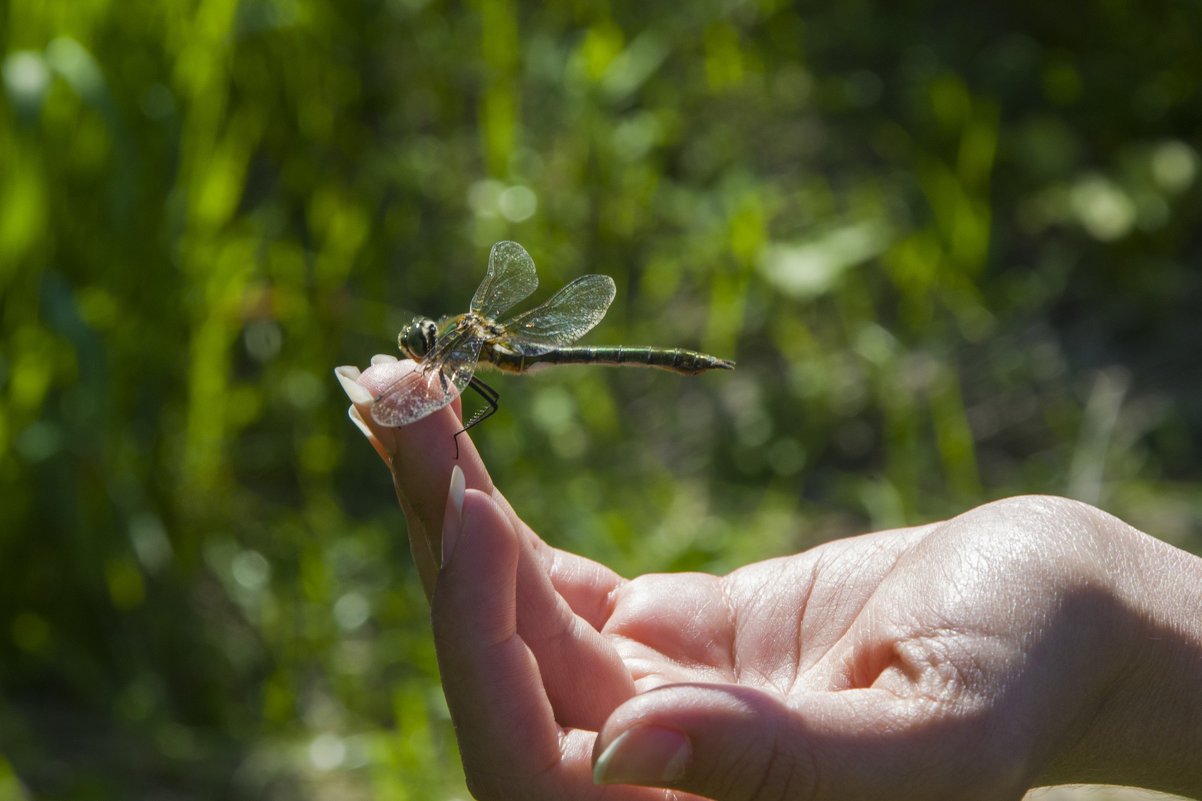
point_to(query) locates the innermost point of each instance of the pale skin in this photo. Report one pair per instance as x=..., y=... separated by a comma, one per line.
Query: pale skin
x=1027, y=642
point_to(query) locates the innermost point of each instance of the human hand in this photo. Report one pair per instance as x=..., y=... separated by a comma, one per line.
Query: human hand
x=1030, y=641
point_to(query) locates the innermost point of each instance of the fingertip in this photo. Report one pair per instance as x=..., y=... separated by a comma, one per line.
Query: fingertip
x=426, y=446
x=422, y=453
x=421, y=456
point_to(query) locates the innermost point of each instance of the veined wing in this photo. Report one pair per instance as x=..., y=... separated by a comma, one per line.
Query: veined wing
x=438, y=379
x=510, y=279
x=566, y=317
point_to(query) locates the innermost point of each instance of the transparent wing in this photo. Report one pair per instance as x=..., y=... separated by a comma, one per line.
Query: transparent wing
x=442, y=375
x=566, y=317
x=510, y=279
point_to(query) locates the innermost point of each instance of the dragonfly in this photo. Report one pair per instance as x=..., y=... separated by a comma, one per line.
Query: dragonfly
x=449, y=351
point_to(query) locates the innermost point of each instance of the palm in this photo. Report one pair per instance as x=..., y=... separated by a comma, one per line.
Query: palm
x=764, y=625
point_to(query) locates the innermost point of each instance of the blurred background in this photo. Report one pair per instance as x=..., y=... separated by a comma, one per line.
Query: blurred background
x=954, y=249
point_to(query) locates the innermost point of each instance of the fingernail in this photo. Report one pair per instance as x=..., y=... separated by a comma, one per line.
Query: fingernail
x=644, y=755
x=353, y=389
x=352, y=412
x=452, y=519
x=383, y=450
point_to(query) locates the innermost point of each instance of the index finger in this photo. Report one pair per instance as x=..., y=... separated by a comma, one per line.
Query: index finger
x=420, y=456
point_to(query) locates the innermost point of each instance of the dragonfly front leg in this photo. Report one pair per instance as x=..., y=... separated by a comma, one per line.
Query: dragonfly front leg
x=491, y=396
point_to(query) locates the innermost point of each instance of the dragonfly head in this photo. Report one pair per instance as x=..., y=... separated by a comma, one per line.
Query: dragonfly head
x=417, y=338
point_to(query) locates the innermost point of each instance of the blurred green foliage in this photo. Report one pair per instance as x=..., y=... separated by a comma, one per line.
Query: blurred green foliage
x=954, y=249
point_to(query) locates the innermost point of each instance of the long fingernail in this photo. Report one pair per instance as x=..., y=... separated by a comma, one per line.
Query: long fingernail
x=452, y=519
x=353, y=389
x=352, y=412
x=644, y=755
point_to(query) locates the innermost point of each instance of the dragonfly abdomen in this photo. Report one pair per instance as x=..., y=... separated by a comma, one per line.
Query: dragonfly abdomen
x=676, y=360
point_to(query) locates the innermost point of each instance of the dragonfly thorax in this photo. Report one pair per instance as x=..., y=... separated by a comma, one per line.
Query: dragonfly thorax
x=417, y=338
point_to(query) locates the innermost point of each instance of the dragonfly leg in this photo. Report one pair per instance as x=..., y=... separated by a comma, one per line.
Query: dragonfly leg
x=491, y=396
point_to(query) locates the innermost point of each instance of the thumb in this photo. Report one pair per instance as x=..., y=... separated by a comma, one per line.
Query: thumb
x=721, y=741
x=739, y=743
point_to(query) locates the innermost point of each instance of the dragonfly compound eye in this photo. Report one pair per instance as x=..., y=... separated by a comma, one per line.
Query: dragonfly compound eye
x=417, y=338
